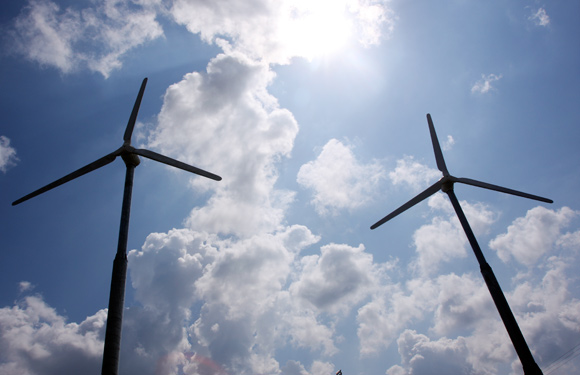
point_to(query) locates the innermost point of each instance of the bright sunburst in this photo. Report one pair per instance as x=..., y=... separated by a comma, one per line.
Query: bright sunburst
x=317, y=28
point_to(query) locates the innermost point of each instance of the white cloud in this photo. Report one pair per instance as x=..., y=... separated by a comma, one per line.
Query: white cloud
x=420, y=355
x=261, y=263
x=483, y=86
x=540, y=17
x=25, y=286
x=569, y=240
x=242, y=286
x=529, y=238
x=372, y=17
x=444, y=238
x=451, y=308
x=276, y=31
x=337, y=279
x=465, y=320
x=339, y=180
x=440, y=241
x=95, y=37
x=239, y=133
x=448, y=143
x=548, y=317
x=464, y=307
x=34, y=339
x=7, y=154
x=381, y=319
x=413, y=173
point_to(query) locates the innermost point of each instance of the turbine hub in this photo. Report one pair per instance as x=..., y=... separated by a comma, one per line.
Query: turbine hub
x=447, y=183
x=447, y=186
x=130, y=158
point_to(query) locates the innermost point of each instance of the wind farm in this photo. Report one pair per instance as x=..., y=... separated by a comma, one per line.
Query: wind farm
x=445, y=184
x=313, y=112
x=130, y=156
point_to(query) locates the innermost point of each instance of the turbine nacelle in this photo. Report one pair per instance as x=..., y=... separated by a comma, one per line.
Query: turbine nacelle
x=446, y=182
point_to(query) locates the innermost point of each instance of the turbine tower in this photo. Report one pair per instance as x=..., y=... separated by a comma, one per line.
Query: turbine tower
x=445, y=184
x=130, y=156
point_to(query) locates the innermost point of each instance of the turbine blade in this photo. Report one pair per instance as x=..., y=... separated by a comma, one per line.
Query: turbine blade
x=71, y=176
x=437, y=148
x=175, y=163
x=133, y=118
x=485, y=185
x=422, y=196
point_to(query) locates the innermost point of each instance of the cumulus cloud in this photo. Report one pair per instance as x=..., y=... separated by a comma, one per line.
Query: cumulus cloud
x=463, y=302
x=444, y=238
x=453, y=309
x=240, y=133
x=228, y=282
x=547, y=316
x=484, y=85
x=420, y=355
x=7, y=154
x=381, y=319
x=246, y=311
x=440, y=241
x=339, y=180
x=464, y=317
x=540, y=17
x=529, y=238
x=35, y=339
x=411, y=172
x=95, y=38
x=337, y=279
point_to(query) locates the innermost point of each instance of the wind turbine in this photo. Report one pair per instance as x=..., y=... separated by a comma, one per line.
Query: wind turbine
x=445, y=184
x=130, y=156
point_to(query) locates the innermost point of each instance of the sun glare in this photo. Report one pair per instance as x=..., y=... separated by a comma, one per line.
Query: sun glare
x=318, y=28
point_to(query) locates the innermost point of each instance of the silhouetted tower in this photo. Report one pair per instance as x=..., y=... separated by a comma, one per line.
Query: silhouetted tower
x=130, y=156
x=445, y=184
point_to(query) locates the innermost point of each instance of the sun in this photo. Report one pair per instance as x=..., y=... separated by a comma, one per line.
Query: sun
x=317, y=28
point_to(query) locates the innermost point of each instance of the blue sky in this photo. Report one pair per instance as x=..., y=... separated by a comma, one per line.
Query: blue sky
x=313, y=112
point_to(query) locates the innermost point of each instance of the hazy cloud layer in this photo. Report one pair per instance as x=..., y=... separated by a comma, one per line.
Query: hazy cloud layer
x=97, y=37
x=276, y=31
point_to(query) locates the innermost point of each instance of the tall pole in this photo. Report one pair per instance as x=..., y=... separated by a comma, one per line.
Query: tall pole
x=112, y=349
x=511, y=325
